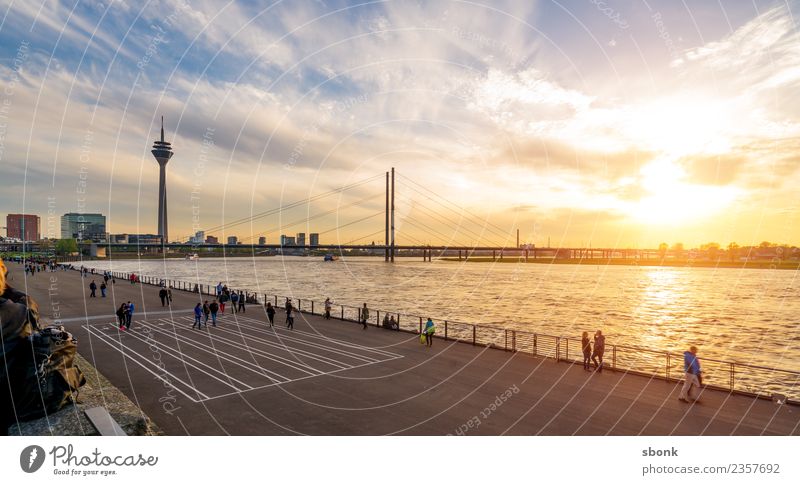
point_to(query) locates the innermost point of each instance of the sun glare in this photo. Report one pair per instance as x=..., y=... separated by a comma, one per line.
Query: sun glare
x=671, y=199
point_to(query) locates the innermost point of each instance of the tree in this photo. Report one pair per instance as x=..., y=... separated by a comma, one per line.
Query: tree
x=66, y=246
x=662, y=249
x=677, y=247
x=733, y=251
x=712, y=249
x=766, y=244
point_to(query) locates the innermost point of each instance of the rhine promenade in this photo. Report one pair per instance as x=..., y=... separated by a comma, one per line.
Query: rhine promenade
x=331, y=377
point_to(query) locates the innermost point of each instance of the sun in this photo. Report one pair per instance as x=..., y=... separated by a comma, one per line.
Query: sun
x=670, y=199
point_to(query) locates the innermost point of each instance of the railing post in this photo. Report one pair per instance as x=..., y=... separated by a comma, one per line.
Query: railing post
x=732, y=375
x=558, y=349
x=342, y=312
x=505, y=346
x=473, y=335
x=666, y=372
x=567, y=343
x=445, y=329
x=276, y=300
x=299, y=304
x=312, y=307
x=534, y=344
x=420, y=325
x=378, y=317
x=514, y=340
x=614, y=358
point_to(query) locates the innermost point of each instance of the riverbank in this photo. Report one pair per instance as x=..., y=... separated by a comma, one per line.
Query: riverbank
x=668, y=263
x=332, y=377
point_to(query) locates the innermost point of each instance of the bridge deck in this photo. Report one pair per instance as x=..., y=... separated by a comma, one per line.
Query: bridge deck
x=332, y=377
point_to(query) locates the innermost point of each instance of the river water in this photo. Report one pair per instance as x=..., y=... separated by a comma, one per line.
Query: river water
x=750, y=316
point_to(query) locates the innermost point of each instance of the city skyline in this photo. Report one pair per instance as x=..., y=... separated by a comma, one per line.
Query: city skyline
x=666, y=129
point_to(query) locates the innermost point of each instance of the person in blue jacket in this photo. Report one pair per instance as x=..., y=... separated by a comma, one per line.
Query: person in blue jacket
x=198, y=314
x=692, y=371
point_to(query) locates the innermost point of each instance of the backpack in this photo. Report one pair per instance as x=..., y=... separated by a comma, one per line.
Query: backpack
x=50, y=379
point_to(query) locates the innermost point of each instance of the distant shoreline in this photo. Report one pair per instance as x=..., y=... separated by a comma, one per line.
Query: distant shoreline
x=683, y=263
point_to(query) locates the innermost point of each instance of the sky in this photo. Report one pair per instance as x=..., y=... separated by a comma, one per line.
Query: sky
x=602, y=123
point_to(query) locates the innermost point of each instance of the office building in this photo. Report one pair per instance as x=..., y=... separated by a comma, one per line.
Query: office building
x=287, y=240
x=313, y=239
x=24, y=227
x=301, y=239
x=198, y=238
x=262, y=241
x=233, y=240
x=80, y=226
x=212, y=240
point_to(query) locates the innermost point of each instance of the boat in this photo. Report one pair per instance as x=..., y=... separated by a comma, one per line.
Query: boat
x=192, y=257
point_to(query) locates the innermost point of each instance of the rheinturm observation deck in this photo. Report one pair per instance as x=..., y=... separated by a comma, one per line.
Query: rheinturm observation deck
x=162, y=150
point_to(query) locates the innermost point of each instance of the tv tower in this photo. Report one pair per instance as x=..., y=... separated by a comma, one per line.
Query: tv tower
x=162, y=150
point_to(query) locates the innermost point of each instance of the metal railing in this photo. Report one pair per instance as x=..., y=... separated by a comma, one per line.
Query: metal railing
x=749, y=379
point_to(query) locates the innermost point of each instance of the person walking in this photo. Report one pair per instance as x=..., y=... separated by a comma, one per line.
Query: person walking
x=219, y=288
x=586, y=345
x=691, y=376
x=364, y=316
x=328, y=307
x=271, y=314
x=234, y=301
x=93, y=288
x=162, y=294
x=128, y=315
x=169, y=296
x=206, y=312
x=198, y=314
x=241, y=302
x=121, y=311
x=103, y=289
x=289, y=315
x=213, y=308
x=430, y=329
x=222, y=299
x=599, y=350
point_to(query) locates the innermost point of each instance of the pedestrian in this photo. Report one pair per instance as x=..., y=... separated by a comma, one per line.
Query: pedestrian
x=206, y=312
x=691, y=376
x=213, y=308
x=328, y=306
x=103, y=289
x=364, y=315
x=234, y=301
x=222, y=299
x=219, y=288
x=241, y=302
x=162, y=294
x=198, y=313
x=393, y=324
x=271, y=314
x=586, y=345
x=128, y=315
x=169, y=296
x=599, y=349
x=289, y=315
x=121, y=311
x=92, y=287
x=430, y=329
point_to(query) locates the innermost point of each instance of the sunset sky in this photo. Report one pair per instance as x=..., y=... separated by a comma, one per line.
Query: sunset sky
x=616, y=123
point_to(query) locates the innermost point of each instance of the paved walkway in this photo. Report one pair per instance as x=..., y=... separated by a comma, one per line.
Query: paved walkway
x=333, y=378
